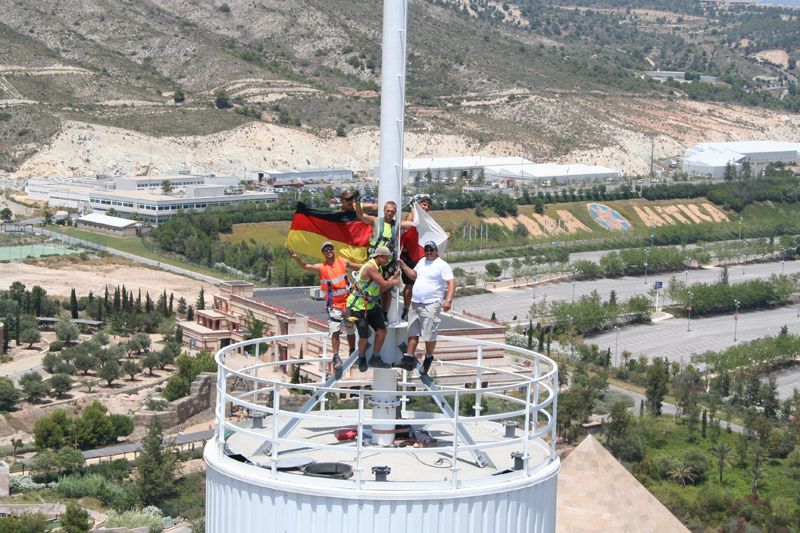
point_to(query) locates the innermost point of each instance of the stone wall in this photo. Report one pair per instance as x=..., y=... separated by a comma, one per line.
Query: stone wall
x=202, y=396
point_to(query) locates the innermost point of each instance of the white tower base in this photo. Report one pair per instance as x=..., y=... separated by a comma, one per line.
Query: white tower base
x=241, y=499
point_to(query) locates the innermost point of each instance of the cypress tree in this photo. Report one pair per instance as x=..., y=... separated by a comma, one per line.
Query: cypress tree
x=148, y=303
x=157, y=467
x=116, y=299
x=190, y=313
x=201, y=300
x=139, y=301
x=73, y=304
x=171, y=298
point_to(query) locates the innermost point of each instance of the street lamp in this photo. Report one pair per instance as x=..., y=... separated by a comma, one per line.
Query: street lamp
x=736, y=319
x=652, y=236
x=783, y=260
x=744, y=257
x=689, y=313
x=646, y=253
x=569, y=333
x=616, y=345
x=740, y=228
x=573, y=286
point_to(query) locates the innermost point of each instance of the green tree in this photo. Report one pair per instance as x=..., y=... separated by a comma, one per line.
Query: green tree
x=157, y=467
x=94, y=427
x=70, y=459
x=75, y=519
x=617, y=428
x=131, y=368
x=681, y=473
x=222, y=100
x=73, y=304
x=34, y=387
x=60, y=384
x=109, y=371
x=30, y=337
x=84, y=362
x=9, y=395
x=150, y=361
x=53, y=431
x=47, y=217
x=656, y=386
x=66, y=331
x=122, y=425
x=493, y=270
x=201, y=300
x=178, y=96
x=721, y=452
x=6, y=214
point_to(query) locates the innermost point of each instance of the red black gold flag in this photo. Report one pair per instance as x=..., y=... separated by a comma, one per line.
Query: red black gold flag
x=311, y=227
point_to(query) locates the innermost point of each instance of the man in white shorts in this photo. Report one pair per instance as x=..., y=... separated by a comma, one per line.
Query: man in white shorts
x=432, y=276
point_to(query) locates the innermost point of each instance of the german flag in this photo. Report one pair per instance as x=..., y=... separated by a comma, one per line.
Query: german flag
x=311, y=227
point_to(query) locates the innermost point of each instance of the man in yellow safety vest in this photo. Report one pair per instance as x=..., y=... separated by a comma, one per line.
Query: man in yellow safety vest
x=362, y=304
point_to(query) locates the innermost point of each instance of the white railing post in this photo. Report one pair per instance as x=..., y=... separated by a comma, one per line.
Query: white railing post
x=454, y=479
x=554, y=416
x=360, y=437
x=478, y=382
x=537, y=375
x=527, y=423
x=276, y=405
x=324, y=369
x=222, y=401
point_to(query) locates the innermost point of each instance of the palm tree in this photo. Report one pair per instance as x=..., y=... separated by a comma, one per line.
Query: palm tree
x=721, y=451
x=682, y=474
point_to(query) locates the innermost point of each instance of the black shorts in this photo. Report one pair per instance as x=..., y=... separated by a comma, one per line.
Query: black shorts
x=368, y=319
x=411, y=264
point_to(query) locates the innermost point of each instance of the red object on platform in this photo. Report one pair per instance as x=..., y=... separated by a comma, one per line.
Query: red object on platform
x=346, y=434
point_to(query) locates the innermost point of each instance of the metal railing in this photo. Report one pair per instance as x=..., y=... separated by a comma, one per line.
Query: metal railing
x=528, y=400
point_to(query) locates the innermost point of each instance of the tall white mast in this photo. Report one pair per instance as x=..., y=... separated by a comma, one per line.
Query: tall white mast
x=390, y=178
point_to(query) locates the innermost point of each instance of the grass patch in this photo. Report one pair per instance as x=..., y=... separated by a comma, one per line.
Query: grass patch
x=134, y=245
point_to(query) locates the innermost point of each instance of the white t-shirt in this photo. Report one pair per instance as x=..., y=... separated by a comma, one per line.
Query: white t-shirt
x=432, y=278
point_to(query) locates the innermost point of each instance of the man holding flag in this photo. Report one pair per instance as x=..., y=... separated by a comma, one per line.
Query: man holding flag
x=334, y=283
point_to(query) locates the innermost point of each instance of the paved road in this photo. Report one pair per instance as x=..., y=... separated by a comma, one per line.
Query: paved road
x=517, y=302
x=669, y=338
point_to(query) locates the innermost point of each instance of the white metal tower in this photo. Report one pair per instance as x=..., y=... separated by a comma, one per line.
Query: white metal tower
x=483, y=458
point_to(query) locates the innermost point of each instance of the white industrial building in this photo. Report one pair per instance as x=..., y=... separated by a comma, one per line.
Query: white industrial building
x=711, y=159
x=146, y=203
x=285, y=176
x=506, y=170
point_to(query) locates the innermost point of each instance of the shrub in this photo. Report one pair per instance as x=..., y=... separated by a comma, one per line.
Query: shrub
x=779, y=444
x=134, y=519
x=22, y=484
x=699, y=463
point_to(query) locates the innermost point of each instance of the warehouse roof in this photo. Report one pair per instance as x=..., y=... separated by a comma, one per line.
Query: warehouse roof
x=105, y=220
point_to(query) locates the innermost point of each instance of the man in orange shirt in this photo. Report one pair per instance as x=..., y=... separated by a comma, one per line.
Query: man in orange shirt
x=334, y=284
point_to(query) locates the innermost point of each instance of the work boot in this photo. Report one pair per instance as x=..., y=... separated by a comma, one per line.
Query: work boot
x=408, y=362
x=426, y=365
x=375, y=361
x=362, y=364
x=337, y=362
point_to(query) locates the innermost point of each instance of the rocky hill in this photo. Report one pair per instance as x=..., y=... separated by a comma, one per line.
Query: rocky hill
x=120, y=86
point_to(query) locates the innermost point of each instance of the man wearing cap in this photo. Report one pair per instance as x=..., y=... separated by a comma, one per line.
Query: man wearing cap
x=424, y=201
x=362, y=304
x=348, y=199
x=334, y=284
x=432, y=277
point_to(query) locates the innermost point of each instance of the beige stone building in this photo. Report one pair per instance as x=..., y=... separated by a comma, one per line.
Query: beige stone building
x=287, y=311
